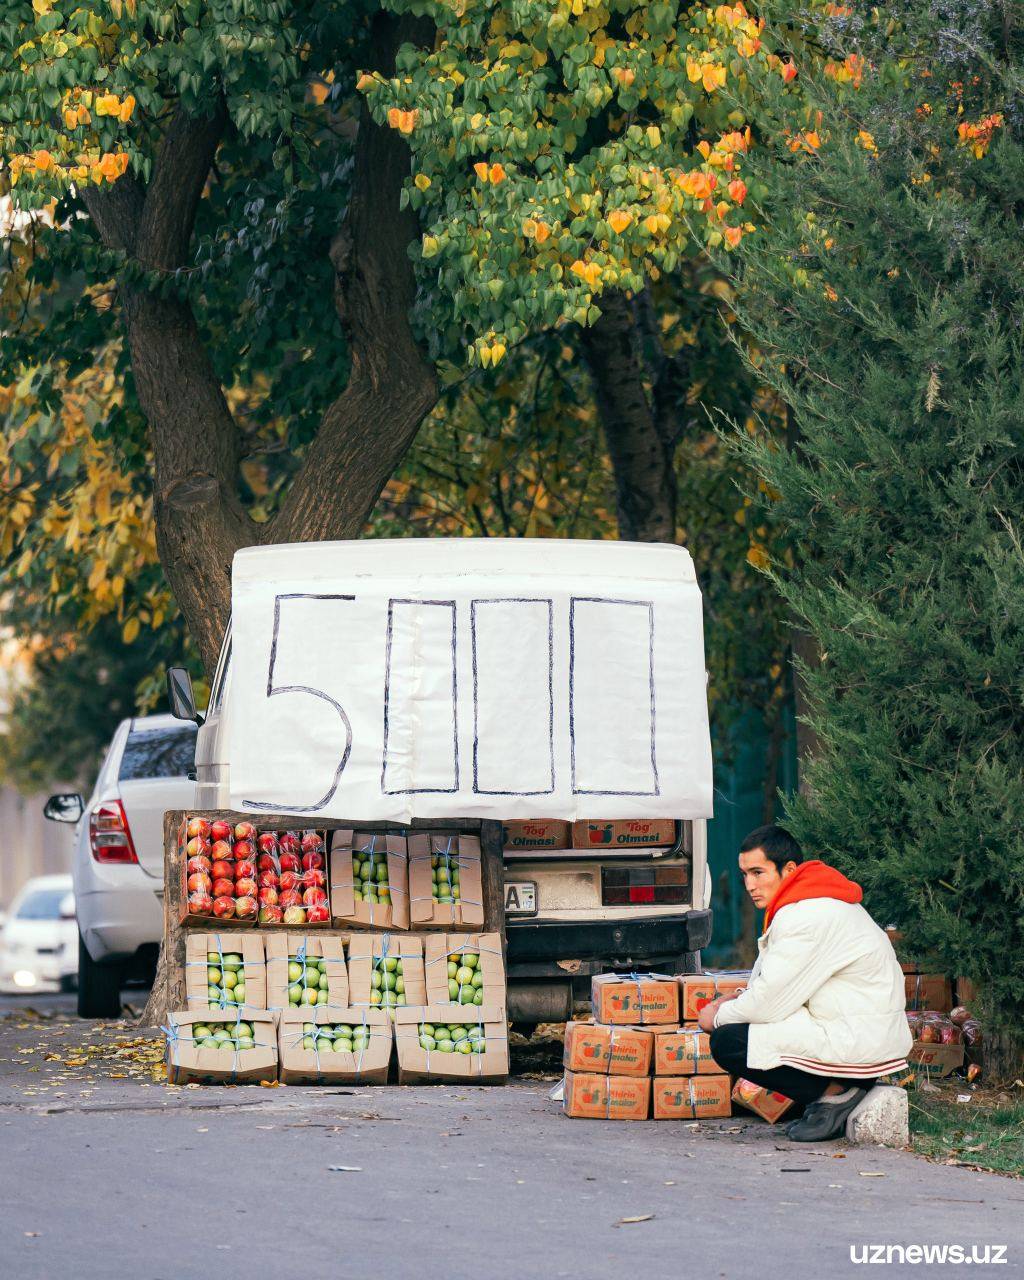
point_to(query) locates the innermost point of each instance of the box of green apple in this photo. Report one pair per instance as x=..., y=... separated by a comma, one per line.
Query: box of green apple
x=224, y=970
x=320, y=1045
x=464, y=968
x=442, y=1042
x=306, y=970
x=385, y=970
x=222, y=1046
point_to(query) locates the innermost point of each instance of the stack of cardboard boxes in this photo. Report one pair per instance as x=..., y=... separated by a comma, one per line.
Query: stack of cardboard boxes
x=643, y=1056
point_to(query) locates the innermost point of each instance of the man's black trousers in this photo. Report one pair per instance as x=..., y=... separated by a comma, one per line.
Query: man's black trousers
x=729, y=1050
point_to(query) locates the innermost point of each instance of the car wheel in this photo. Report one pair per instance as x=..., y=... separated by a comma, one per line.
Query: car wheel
x=99, y=986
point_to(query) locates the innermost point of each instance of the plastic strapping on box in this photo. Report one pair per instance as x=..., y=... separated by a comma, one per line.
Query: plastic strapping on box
x=636, y=977
x=222, y=999
x=173, y=1037
x=457, y=903
x=468, y=949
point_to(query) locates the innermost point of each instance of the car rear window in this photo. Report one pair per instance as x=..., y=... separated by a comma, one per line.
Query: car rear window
x=41, y=904
x=158, y=753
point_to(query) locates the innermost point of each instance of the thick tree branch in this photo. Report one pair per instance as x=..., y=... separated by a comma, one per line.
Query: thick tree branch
x=642, y=459
x=366, y=431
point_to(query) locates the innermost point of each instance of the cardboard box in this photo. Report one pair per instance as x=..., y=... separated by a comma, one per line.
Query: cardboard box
x=691, y=1098
x=456, y=854
x=438, y=949
x=346, y=847
x=250, y=975
x=420, y=1065
x=636, y=998
x=936, y=1059
x=929, y=991
x=698, y=989
x=635, y=832
x=323, y=1064
x=537, y=833
x=619, y=1051
x=203, y=919
x=606, y=1097
x=371, y=952
x=766, y=1103
x=186, y=1062
x=326, y=947
x=966, y=993
x=683, y=1051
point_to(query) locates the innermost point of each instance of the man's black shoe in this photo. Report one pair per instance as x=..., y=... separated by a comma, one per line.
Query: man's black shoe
x=824, y=1120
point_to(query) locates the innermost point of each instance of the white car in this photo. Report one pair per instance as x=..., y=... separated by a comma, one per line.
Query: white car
x=39, y=940
x=119, y=854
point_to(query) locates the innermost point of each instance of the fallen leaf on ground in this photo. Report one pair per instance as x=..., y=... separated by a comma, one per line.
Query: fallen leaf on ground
x=637, y=1217
x=870, y=1173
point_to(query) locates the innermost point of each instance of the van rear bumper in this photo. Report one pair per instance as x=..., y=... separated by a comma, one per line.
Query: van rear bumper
x=560, y=948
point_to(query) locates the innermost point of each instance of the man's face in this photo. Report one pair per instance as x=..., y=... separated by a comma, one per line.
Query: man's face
x=761, y=877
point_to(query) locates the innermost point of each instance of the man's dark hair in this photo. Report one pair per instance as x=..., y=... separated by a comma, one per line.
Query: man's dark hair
x=776, y=842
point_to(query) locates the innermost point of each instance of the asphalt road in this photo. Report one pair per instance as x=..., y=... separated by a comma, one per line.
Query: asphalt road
x=106, y=1172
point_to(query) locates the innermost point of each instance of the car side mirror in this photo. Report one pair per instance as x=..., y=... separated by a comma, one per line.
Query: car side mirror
x=67, y=907
x=182, y=699
x=66, y=806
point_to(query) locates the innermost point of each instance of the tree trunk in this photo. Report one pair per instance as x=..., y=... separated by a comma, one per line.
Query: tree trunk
x=642, y=452
x=1003, y=1056
x=804, y=647
x=364, y=433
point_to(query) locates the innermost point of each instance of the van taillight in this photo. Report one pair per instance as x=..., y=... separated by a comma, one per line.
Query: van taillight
x=109, y=836
x=643, y=886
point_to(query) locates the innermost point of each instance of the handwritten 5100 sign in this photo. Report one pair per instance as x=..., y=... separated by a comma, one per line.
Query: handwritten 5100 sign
x=608, y=714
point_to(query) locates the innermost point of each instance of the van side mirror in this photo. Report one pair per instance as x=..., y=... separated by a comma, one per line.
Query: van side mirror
x=182, y=699
x=64, y=807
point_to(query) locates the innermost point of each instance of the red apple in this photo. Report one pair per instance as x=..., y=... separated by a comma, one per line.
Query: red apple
x=244, y=849
x=312, y=842
x=314, y=897
x=266, y=842
x=200, y=904
x=295, y=915
x=950, y=1035
x=245, y=870
x=197, y=845
x=198, y=827
x=290, y=862
x=318, y=914
x=314, y=879
x=929, y=1033
x=270, y=915
x=268, y=880
x=268, y=898
x=220, y=830
x=289, y=842
x=313, y=861
x=291, y=898
x=246, y=907
x=266, y=862
x=222, y=849
x=198, y=864
x=223, y=888
x=224, y=906
x=245, y=831
x=199, y=883
x=960, y=1015
x=222, y=870
x=973, y=1071
x=245, y=887
x=290, y=880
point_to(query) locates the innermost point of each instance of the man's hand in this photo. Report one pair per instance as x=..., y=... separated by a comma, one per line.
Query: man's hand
x=706, y=1016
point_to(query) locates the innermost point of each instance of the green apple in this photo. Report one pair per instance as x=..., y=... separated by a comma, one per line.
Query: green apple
x=390, y=981
x=465, y=1046
x=453, y=968
x=427, y=1042
x=309, y=995
x=213, y=957
x=453, y=989
x=471, y=959
x=478, y=977
x=294, y=971
x=324, y=980
x=445, y=1046
x=213, y=976
x=478, y=997
x=232, y=961
x=246, y=1042
x=200, y=1031
x=342, y=1046
x=391, y=964
x=426, y=1028
x=308, y=1042
x=230, y=978
x=375, y=997
x=322, y=997
x=222, y=1033
x=464, y=975
x=442, y=1033
x=294, y=993
x=239, y=993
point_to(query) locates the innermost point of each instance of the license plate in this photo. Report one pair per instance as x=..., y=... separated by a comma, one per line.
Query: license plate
x=520, y=898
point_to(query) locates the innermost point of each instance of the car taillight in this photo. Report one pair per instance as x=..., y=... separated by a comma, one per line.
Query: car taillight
x=643, y=886
x=109, y=835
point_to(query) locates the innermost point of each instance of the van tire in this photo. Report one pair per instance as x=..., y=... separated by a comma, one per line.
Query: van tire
x=99, y=986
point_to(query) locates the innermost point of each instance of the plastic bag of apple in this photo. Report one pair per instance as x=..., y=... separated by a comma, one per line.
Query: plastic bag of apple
x=233, y=872
x=958, y=1027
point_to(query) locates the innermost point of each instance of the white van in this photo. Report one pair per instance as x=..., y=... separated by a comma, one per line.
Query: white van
x=509, y=679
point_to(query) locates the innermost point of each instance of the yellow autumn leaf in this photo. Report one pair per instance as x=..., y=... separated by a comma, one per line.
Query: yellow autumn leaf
x=130, y=630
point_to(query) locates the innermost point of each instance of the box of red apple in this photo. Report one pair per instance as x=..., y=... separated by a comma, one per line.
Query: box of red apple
x=940, y=1039
x=234, y=872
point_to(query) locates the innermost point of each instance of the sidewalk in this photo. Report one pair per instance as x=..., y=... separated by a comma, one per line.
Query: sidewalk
x=123, y=1177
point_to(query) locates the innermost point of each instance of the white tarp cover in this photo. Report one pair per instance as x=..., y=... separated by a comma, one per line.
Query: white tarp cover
x=468, y=678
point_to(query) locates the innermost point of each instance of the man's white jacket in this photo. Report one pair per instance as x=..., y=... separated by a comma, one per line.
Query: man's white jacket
x=826, y=994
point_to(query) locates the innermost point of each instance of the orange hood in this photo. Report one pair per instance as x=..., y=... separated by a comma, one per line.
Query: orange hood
x=814, y=879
